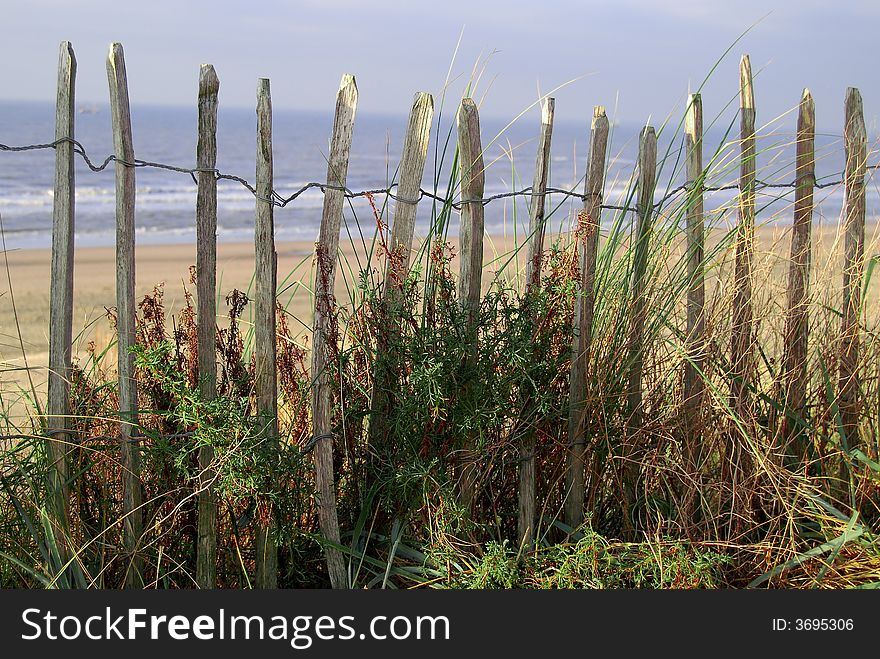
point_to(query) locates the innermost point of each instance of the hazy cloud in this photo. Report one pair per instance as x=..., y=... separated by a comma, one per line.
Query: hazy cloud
x=639, y=54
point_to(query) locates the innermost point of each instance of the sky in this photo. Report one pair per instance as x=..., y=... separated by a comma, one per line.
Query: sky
x=639, y=58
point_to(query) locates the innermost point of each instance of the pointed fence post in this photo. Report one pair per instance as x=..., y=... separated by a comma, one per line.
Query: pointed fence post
x=473, y=180
x=265, y=276
x=132, y=491
x=640, y=247
x=694, y=385
x=323, y=335
x=741, y=336
x=59, y=424
x=794, y=359
x=412, y=167
x=206, y=288
x=638, y=306
x=526, y=521
x=855, y=141
x=537, y=221
x=579, y=394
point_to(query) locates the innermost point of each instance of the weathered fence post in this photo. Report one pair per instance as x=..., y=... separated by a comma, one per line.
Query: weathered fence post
x=323, y=334
x=526, y=523
x=741, y=331
x=640, y=246
x=638, y=308
x=473, y=179
x=855, y=142
x=794, y=358
x=206, y=285
x=412, y=166
x=694, y=386
x=539, y=185
x=61, y=289
x=265, y=273
x=125, y=311
x=583, y=318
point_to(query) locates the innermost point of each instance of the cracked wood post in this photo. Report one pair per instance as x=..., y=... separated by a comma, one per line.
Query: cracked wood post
x=526, y=521
x=59, y=426
x=855, y=143
x=741, y=331
x=584, y=307
x=412, y=167
x=265, y=274
x=636, y=339
x=132, y=492
x=325, y=260
x=473, y=180
x=794, y=358
x=694, y=385
x=206, y=288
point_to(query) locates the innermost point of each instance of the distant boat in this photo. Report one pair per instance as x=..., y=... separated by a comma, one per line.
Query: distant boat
x=88, y=109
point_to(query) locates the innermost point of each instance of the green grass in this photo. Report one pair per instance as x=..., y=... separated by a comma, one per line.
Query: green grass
x=403, y=520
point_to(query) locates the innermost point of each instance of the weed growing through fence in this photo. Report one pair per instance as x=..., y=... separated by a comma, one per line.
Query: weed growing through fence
x=403, y=518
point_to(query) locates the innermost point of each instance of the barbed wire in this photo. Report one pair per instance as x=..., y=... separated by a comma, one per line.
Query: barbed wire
x=281, y=201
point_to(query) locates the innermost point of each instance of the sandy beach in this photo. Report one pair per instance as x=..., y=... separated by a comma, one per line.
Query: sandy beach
x=24, y=294
x=24, y=326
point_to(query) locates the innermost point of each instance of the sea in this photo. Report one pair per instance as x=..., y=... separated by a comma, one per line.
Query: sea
x=165, y=204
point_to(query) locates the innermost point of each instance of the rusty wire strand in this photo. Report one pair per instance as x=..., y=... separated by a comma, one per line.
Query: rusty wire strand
x=280, y=201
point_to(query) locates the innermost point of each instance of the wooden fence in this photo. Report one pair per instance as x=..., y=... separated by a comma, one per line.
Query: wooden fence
x=469, y=287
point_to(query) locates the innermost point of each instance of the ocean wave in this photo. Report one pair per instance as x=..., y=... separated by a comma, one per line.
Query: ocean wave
x=237, y=197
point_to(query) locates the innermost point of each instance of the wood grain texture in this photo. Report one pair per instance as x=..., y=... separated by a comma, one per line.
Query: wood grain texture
x=126, y=310
x=794, y=358
x=537, y=221
x=585, y=303
x=695, y=346
x=206, y=289
x=473, y=181
x=412, y=167
x=638, y=310
x=61, y=287
x=741, y=348
x=527, y=488
x=410, y=171
x=324, y=334
x=855, y=144
x=640, y=251
x=265, y=378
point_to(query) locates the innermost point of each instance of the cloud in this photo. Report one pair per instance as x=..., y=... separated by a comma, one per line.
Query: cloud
x=723, y=12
